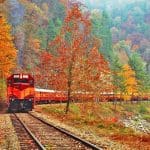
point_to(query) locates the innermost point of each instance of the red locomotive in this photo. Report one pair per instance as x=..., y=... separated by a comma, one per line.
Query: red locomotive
x=20, y=92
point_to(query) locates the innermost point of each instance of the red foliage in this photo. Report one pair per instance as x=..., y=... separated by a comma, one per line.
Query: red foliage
x=76, y=64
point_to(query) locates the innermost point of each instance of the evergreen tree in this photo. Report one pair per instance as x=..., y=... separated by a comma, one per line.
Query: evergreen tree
x=51, y=31
x=46, y=35
x=101, y=29
x=138, y=65
x=41, y=34
x=117, y=75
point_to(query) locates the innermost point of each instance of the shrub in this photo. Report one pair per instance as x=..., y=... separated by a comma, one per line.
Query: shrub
x=101, y=126
x=142, y=109
x=75, y=109
x=146, y=117
x=53, y=110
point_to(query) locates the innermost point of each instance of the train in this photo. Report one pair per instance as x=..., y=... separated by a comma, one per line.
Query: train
x=22, y=94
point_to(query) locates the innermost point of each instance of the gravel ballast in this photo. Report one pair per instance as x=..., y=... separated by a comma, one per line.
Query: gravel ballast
x=8, y=138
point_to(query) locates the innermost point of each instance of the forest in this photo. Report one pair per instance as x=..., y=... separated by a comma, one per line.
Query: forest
x=81, y=65
x=94, y=46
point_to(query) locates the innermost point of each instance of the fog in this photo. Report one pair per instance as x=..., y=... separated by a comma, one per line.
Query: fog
x=108, y=4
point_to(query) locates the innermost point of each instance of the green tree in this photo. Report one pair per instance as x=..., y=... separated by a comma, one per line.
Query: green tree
x=138, y=65
x=46, y=35
x=101, y=29
x=41, y=35
x=51, y=31
x=117, y=75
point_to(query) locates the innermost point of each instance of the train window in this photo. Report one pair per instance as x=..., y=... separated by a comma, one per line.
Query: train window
x=16, y=75
x=17, y=80
x=24, y=80
x=25, y=76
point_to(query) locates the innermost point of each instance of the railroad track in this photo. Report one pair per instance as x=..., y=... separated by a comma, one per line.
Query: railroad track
x=50, y=137
x=26, y=138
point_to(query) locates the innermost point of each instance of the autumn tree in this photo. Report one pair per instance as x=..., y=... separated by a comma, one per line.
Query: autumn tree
x=69, y=46
x=99, y=79
x=44, y=71
x=7, y=51
x=79, y=67
x=130, y=82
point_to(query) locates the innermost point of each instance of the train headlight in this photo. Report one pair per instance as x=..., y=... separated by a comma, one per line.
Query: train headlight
x=12, y=99
x=31, y=99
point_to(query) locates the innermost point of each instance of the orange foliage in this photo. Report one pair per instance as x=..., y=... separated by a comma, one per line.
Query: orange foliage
x=111, y=120
x=43, y=71
x=98, y=73
x=7, y=49
x=134, y=141
x=78, y=64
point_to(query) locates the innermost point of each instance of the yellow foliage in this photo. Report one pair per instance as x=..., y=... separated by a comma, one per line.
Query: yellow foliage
x=7, y=49
x=130, y=81
x=34, y=44
x=7, y=54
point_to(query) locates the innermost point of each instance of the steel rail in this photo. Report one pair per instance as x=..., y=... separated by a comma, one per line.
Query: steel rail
x=41, y=147
x=86, y=143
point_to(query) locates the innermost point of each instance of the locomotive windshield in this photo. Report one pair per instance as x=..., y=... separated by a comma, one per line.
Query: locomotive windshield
x=17, y=80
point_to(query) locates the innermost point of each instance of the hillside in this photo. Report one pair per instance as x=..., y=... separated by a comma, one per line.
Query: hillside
x=129, y=22
x=112, y=38
x=32, y=22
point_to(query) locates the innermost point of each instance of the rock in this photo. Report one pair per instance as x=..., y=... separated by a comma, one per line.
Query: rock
x=137, y=123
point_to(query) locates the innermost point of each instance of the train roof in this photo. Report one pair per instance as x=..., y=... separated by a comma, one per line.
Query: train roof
x=44, y=90
x=20, y=75
x=48, y=90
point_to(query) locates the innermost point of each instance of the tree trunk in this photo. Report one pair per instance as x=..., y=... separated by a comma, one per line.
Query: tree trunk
x=68, y=101
x=69, y=86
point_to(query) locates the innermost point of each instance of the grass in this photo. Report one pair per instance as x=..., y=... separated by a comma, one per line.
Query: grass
x=53, y=110
x=143, y=109
x=102, y=115
x=101, y=118
x=146, y=117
